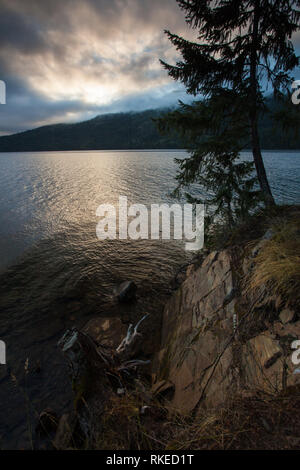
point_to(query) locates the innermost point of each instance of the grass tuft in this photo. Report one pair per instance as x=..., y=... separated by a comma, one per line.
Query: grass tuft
x=277, y=265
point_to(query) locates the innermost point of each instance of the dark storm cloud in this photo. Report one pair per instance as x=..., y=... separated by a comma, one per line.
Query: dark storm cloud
x=19, y=32
x=67, y=60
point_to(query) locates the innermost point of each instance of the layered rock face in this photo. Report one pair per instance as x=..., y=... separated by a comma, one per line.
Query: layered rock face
x=218, y=341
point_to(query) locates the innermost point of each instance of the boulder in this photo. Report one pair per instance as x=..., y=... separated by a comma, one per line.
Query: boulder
x=289, y=331
x=262, y=364
x=108, y=331
x=286, y=315
x=126, y=291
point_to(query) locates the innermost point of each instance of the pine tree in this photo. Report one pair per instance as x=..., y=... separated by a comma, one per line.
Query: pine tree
x=214, y=161
x=242, y=47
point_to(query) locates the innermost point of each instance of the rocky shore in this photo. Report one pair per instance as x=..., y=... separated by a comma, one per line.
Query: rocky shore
x=224, y=356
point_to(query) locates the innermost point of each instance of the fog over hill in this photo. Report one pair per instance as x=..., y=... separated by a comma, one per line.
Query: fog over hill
x=134, y=130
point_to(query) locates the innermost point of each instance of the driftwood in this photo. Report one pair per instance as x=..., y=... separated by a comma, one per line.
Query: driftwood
x=127, y=346
x=83, y=351
x=98, y=372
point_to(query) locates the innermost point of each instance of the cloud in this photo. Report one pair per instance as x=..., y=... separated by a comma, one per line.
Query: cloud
x=36, y=110
x=65, y=60
x=68, y=60
x=17, y=32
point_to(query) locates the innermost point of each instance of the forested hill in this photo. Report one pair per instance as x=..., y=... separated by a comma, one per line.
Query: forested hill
x=109, y=131
x=120, y=131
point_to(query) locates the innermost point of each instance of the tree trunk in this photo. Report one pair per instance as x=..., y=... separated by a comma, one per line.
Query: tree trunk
x=259, y=163
x=258, y=160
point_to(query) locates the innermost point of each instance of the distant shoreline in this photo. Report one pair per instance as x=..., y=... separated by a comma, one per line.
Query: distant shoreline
x=124, y=132
x=137, y=150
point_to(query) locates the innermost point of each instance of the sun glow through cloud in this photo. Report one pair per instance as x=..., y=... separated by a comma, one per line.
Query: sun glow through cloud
x=71, y=60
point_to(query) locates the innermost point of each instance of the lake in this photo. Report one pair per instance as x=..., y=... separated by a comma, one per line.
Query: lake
x=55, y=273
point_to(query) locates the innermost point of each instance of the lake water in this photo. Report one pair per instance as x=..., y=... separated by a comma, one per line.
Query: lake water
x=56, y=273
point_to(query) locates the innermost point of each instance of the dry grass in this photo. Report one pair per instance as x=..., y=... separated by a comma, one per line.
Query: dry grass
x=260, y=422
x=277, y=265
x=250, y=229
x=124, y=427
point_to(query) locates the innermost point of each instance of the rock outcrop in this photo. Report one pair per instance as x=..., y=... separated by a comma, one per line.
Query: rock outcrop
x=221, y=342
x=217, y=341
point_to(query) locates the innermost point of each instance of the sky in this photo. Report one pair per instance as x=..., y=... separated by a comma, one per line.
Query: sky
x=70, y=60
